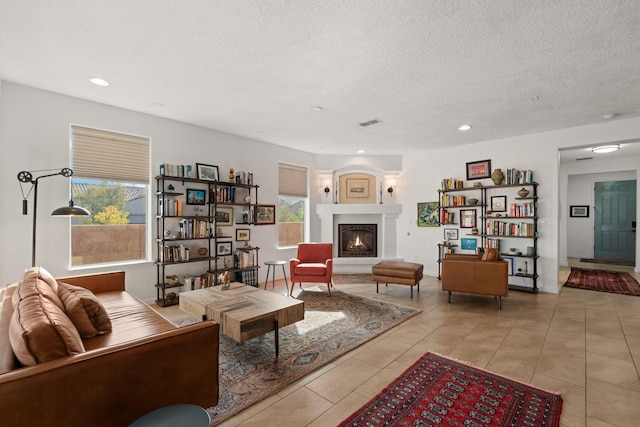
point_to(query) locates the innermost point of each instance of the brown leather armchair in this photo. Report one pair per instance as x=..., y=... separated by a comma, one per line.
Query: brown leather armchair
x=313, y=263
x=476, y=274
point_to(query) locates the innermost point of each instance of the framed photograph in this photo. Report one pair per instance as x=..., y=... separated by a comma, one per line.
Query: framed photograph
x=579, y=211
x=478, y=170
x=357, y=188
x=223, y=248
x=467, y=218
x=509, y=264
x=195, y=197
x=243, y=234
x=223, y=216
x=266, y=214
x=498, y=203
x=451, y=234
x=207, y=172
x=428, y=214
x=468, y=243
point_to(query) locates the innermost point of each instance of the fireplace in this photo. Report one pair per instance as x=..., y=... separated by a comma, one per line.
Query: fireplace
x=357, y=240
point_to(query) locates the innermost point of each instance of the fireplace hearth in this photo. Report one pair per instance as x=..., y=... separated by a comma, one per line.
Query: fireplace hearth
x=357, y=240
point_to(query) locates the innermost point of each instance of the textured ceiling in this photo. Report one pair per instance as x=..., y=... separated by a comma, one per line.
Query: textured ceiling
x=256, y=68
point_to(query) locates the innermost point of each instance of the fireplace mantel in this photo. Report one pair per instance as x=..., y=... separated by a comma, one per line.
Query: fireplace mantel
x=386, y=216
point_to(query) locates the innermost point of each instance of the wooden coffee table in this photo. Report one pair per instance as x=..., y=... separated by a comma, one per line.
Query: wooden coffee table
x=243, y=312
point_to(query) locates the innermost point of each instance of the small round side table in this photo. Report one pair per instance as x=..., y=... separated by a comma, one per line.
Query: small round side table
x=175, y=415
x=273, y=264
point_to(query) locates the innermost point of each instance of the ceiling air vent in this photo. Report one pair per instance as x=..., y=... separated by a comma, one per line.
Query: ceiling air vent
x=369, y=123
x=584, y=158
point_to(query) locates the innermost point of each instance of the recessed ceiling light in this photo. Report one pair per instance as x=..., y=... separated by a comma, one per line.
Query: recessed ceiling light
x=609, y=116
x=360, y=151
x=464, y=127
x=317, y=109
x=98, y=81
x=605, y=148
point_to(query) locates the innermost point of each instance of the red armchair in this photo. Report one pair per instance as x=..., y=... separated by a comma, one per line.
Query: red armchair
x=313, y=264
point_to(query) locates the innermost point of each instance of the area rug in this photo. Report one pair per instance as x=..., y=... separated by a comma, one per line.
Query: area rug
x=348, y=279
x=440, y=391
x=332, y=326
x=608, y=261
x=617, y=282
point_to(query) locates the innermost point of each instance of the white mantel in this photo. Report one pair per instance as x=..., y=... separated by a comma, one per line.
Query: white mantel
x=384, y=215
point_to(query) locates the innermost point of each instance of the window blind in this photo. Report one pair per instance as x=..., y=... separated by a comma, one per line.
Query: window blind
x=292, y=180
x=111, y=156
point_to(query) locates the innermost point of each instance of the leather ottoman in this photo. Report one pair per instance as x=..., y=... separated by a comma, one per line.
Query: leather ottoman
x=398, y=272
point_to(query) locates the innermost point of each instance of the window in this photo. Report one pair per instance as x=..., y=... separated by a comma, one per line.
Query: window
x=111, y=180
x=292, y=204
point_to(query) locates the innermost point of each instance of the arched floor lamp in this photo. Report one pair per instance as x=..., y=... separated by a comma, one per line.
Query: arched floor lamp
x=71, y=210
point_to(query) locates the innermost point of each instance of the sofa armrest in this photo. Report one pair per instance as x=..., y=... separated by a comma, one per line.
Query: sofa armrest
x=116, y=385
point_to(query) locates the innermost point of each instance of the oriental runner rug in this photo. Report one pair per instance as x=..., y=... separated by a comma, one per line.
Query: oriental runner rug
x=617, y=282
x=608, y=261
x=437, y=391
x=332, y=326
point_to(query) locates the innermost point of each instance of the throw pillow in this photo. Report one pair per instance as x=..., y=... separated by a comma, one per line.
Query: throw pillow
x=43, y=274
x=491, y=255
x=85, y=310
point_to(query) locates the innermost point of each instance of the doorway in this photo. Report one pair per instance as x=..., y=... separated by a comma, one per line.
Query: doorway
x=615, y=220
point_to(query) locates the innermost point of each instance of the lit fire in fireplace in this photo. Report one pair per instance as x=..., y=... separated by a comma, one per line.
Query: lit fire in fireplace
x=357, y=244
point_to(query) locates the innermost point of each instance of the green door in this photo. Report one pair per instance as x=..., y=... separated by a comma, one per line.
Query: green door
x=615, y=220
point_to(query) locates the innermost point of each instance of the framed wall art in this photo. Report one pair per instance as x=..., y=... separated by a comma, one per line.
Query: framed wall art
x=479, y=170
x=428, y=214
x=243, y=234
x=451, y=234
x=358, y=188
x=579, y=211
x=195, y=197
x=498, y=203
x=224, y=216
x=467, y=218
x=468, y=243
x=266, y=214
x=223, y=248
x=207, y=172
x=509, y=264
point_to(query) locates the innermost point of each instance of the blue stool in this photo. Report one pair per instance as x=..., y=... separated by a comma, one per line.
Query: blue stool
x=273, y=264
x=175, y=415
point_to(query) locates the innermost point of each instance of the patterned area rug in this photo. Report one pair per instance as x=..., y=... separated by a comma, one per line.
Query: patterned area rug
x=608, y=261
x=249, y=372
x=617, y=282
x=443, y=392
x=348, y=279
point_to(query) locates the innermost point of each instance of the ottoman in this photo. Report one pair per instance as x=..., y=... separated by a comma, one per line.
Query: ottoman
x=398, y=272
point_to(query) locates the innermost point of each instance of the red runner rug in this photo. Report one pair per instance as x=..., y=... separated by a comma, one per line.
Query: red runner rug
x=616, y=282
x=437, y=391
x=608, y=261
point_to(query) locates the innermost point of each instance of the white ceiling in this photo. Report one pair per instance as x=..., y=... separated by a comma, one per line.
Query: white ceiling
x=256, y=68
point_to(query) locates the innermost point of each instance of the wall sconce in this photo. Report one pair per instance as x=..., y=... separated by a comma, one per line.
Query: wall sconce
x=327, y=190
x=390, y=191
x=71, y=210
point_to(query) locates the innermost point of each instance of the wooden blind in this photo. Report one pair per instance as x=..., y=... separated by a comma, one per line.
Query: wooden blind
x=111, y=156
x=292, y=180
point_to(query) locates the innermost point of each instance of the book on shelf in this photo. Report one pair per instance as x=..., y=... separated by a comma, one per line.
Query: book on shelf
x=169, y=207
x=248, y=277
x=450, y=200
x=504, y=228
x=174, y=253
x=195, y=229
x=522, y=210
x=178, y=171
x=519, y=176
x=451, y=184
x=446, y=217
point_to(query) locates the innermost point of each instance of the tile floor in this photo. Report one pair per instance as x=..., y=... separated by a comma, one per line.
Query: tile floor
x=584, y=345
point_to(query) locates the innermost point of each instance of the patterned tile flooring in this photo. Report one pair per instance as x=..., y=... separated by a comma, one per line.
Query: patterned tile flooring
x=582, y=344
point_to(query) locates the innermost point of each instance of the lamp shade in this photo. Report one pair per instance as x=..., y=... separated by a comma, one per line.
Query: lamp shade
x=71, y=210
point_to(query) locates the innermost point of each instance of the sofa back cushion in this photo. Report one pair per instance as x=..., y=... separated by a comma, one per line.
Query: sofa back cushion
x=314, y=252
x=39, y=330
x=85, y=310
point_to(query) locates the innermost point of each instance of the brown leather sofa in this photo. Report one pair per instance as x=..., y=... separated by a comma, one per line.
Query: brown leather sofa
x=142, y=364
x=476, y=274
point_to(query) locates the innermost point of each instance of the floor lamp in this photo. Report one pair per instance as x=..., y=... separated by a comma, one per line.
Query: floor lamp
x=71, y=210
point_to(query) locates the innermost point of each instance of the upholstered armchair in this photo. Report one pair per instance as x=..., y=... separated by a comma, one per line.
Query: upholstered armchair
x=312, y=264
x=476, y=274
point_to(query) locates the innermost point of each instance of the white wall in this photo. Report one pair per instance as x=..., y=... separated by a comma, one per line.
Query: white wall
x=35, y=136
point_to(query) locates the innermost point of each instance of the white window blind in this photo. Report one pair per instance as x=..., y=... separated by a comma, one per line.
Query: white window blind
x=292, y=180
x=111, y=156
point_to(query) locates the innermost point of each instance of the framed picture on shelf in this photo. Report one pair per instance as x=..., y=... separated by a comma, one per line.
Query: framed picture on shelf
x=357, y=188
x=498, y=203
x=451, y=234
x=509, y=264
x=428, y=214
x=266, y=214
x=223, y=216
x=579, y=211
x=467, y=218
x=243, y=234
x=223, y=248
x=207, y=172
x=479, y=170
x=468, y=243
x=195, y=197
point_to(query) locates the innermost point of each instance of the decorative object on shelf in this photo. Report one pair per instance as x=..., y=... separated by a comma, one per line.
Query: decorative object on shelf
x=71, y=210
x=171, y=295
x=472, y=201
x=499, y=203
x=523, y=193
x=478, y=170
x=266, y=214
x=531, y=251
x=477, y=184
x=172, y=279
x=474, y=230
x=195, y=197
x=579, y=211
x=247, y=199
x=428, y=215
x=497, y=176
x=203, y=251
x=207, y=172
x=232, y=175
x=171, y=187
x=224, y=279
